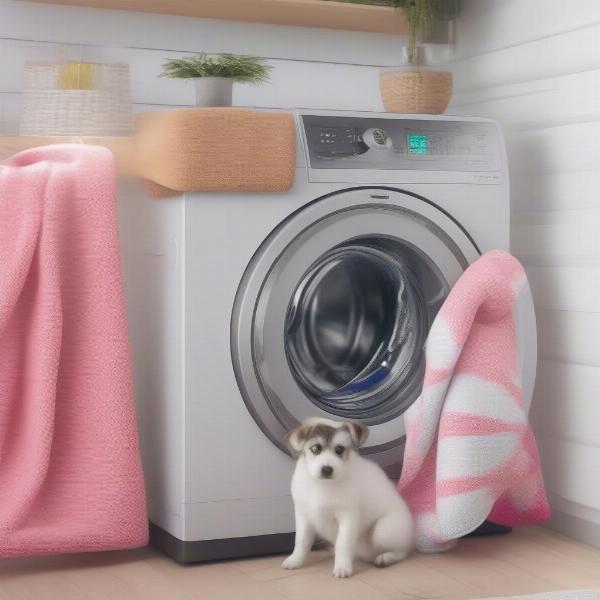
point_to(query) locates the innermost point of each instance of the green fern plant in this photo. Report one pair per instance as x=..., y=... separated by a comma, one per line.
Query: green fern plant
x=238, y=67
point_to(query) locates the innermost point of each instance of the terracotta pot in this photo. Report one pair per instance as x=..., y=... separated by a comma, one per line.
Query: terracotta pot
x=415, y=91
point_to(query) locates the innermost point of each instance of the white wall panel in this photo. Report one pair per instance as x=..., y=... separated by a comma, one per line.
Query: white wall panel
x=569, y=337
x=555, y=149
x=565, y=234
x=577, y=420
x=555, y=191
x=535, y=104
x=535, y=67
x=542, y=58
x=10, y=113
x=568, y=288
x=489, y=25
x=572, y=470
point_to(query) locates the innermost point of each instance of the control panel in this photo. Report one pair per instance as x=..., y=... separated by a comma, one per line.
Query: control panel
x=339, y=142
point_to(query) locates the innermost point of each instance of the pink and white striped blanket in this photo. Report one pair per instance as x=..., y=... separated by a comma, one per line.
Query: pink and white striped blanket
x=470, y=452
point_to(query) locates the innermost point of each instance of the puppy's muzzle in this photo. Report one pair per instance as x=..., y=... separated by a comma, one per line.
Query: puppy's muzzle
x=326, y=472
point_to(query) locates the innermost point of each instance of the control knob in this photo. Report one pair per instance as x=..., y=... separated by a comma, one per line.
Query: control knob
x=377, y=139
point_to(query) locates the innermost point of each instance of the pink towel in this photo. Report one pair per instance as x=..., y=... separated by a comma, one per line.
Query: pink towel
x=470, y=452
x=70, y=472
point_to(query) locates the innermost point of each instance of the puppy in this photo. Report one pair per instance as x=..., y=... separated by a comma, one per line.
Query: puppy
x=345, y=499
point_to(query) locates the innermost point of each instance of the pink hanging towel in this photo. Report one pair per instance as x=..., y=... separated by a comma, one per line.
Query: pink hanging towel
x=470, y=452
x=70, y=472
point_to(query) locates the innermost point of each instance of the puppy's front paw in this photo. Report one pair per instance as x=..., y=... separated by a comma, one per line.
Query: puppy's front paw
x=342, y=569
x=293, y=562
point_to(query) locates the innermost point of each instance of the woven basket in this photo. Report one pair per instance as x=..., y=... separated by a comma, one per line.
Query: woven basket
x=76, y=99
x=416, y=92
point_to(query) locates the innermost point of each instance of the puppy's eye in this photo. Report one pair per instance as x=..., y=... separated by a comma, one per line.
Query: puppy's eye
x=316, y=449
x=339, y=450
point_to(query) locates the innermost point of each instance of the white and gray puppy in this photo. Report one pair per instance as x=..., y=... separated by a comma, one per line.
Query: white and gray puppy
x=345, y=499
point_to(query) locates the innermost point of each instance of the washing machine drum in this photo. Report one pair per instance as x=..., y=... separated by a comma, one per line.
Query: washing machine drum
x=333, y=311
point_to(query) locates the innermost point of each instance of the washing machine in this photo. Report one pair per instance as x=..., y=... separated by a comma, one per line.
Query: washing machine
x=251, y=312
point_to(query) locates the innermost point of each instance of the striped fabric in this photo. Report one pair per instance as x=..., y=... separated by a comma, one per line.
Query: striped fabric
x=470, y=452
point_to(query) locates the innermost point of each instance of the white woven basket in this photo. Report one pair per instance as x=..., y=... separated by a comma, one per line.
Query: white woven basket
x=103, y=108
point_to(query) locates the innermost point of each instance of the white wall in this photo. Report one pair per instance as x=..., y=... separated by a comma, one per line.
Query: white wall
x=535, y=66
x=313, y=68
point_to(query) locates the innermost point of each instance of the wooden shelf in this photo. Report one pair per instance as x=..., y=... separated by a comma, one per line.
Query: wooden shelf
x=305, y=13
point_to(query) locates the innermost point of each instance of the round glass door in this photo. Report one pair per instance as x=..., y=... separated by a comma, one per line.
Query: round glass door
x=356, y=326
x=333, y=311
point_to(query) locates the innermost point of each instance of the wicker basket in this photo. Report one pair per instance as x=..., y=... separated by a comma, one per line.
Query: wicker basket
x=416, y=92
x=76, y=99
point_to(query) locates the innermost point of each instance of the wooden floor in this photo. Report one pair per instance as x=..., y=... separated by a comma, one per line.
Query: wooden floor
x=526, y=561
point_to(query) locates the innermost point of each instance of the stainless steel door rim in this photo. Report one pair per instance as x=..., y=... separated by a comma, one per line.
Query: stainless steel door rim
x=333, y=309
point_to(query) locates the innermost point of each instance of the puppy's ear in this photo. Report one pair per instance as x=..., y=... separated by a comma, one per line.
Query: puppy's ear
x=358, y=432
x=296, y=438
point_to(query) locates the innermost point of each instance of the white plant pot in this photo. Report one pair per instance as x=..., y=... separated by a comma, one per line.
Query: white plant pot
x=213, y=91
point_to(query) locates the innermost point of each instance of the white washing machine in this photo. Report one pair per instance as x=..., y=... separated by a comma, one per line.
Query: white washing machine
x=251, y=312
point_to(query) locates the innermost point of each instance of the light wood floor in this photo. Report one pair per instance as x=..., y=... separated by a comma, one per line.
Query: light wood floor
x=526, y=561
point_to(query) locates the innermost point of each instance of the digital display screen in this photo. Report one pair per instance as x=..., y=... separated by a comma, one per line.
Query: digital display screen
x=417, y=143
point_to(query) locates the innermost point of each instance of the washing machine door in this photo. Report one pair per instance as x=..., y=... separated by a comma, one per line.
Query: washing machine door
x=333, y=311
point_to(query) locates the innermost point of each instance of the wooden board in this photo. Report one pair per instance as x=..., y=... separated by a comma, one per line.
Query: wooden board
x=306, y=13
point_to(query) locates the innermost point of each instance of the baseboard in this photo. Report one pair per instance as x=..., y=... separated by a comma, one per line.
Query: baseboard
x=575, y=527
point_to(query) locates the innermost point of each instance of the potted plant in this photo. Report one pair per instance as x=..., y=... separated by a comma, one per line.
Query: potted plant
x=419, y=89
x=214, y=74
